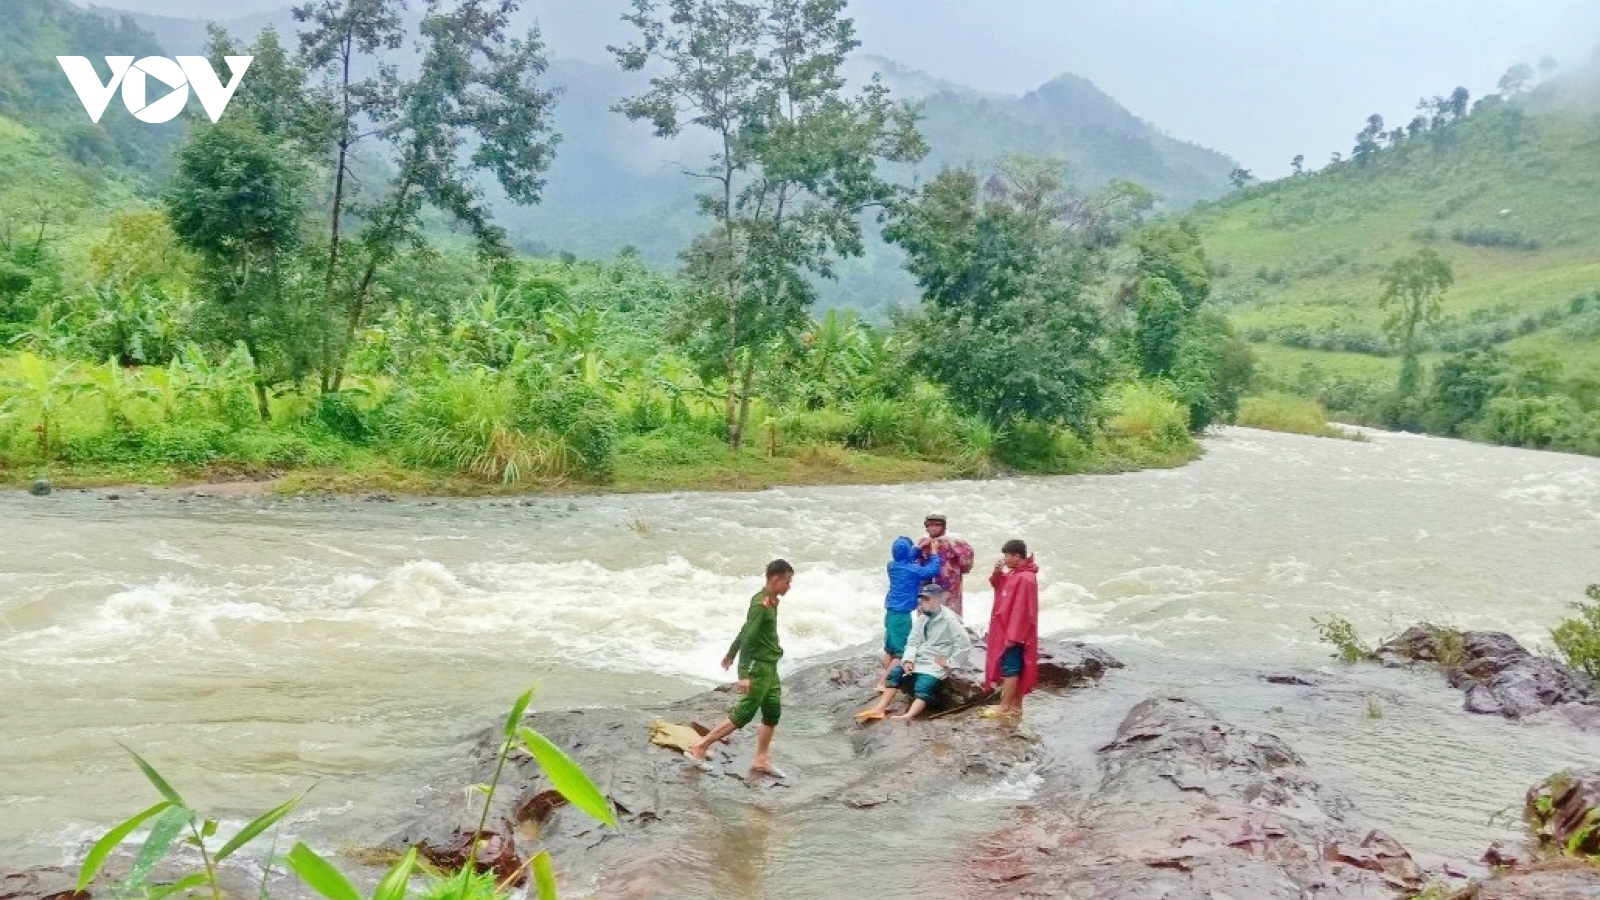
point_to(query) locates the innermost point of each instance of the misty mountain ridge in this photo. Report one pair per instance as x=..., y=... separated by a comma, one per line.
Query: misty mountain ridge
x=614, y=185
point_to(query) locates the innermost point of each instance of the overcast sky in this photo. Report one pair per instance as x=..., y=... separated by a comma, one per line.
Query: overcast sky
x=1261, y=80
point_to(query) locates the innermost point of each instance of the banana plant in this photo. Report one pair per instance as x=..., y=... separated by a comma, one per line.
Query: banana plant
x=38, y=395
x=117, y=388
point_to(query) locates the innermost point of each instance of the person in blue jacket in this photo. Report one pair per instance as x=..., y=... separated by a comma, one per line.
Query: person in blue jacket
x=906, y=578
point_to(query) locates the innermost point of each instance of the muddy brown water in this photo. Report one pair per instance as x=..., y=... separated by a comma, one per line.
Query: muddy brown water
x=250, y=645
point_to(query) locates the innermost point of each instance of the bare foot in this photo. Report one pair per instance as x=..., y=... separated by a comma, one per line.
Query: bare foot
x=763, y=766
x=904, y=717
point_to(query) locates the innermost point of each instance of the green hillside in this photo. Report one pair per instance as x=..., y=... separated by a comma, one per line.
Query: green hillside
x=34, y=90
x=1509, y=194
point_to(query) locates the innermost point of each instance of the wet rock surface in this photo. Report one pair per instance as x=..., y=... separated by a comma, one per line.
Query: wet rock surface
x=1498, y=675
x=1191, y=808
x=1564, y=813
x=1560, y=860
x=39, y=884
x=1560, y=880
x=667, y=808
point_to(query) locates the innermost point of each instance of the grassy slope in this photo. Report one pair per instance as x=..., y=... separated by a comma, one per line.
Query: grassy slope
x=1308, y=251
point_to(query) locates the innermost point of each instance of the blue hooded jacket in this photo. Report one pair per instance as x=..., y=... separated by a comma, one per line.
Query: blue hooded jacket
x=907, y=576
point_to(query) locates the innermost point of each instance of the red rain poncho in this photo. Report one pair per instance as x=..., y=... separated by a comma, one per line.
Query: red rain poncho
x=1015, y=620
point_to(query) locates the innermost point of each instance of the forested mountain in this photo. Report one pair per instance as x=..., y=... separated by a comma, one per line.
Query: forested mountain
x=613, y=186
x=1505, y=190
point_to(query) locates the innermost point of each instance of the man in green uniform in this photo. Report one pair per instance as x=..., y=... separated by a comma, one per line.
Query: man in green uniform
x=757, y=651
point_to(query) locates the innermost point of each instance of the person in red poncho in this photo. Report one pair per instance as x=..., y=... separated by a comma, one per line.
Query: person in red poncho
x=1013, y=642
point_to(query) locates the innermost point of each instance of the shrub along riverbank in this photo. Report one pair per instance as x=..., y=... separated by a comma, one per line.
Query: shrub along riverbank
x=87, y=426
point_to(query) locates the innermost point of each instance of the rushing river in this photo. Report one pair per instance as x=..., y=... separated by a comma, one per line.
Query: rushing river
x=247, y=646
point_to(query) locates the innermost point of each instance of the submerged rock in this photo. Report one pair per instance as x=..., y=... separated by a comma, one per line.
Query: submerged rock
x=1192, y=808
x=1498, y=675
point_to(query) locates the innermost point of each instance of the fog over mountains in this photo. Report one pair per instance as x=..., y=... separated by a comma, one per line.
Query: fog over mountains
x=614, y=185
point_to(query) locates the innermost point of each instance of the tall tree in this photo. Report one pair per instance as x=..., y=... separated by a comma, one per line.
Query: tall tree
x=475, y=86
x=1413, y=294
x=237, y=201
x=1240, y=177
x=1516, y=79
x=344, y=35
x=1007, y=325
x=1367, y=140
x=794, y=169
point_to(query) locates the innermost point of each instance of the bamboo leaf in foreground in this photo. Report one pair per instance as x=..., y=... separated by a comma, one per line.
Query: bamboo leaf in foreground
x=320, y=875
x=262, y=823
x=544, y=876
x=162, y=835
x=166, y=790
x=393, y=885
x=517, y=711
x=103, y=847
x=566, y=777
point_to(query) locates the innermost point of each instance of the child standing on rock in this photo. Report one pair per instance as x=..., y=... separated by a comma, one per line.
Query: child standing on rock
x=757, y=651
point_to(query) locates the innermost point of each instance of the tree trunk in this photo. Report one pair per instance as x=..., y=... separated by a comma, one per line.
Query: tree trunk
x=730, y=408
x=744, y=395
x=261, y=401
x=338, y=211
x=358, y=300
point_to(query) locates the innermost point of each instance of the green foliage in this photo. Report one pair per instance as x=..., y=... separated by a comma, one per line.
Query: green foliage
x=1342, y=635
x=1007, y=325
x=1449, y=647
x=472, y=421
x=1413, y=292
x=1578, y=639
x=1495, y=183
x=1159, y=319
x=33, y=89
x=171, y=817
x=1461, y=386
x=796, y=166
x=1149, y=413
x=1287, y=413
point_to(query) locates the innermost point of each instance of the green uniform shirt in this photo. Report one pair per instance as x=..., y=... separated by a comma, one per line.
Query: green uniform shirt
x=757, y=642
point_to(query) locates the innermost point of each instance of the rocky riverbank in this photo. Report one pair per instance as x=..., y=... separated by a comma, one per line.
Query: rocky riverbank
x=1177, y=805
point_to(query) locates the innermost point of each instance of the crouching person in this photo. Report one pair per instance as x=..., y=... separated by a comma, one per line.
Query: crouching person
x=937, y=638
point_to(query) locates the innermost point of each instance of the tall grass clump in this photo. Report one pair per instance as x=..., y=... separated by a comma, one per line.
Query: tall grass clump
x=1340, y=633
x=1147, y=413
x=1285, y=412
x=499, y=426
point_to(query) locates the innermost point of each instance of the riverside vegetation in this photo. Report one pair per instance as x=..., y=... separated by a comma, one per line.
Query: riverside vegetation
x=170, y=817
x=1576, y=640
x=1442, y=277
x=315, y=287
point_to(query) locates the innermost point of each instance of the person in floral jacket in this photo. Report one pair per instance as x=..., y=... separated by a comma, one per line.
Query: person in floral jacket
x=955, y=554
